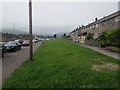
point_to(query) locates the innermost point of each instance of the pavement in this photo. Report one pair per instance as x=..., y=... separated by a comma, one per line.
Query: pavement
x=13, y=60
x=101, y=50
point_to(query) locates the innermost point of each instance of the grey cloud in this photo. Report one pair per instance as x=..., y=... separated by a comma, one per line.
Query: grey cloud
x=51, y=17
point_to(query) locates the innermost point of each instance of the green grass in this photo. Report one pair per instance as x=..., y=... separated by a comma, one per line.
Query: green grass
x=62, y=64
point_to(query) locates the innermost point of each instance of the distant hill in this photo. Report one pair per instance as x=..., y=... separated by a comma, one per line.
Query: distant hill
x=61, y=34
x=34, y=33
x=12, y=31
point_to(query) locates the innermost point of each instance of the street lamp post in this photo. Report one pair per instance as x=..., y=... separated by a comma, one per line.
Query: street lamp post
x=14, y=27
x=30, y=29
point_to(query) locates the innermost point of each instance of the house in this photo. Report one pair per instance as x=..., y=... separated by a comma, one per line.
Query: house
x=111, y=21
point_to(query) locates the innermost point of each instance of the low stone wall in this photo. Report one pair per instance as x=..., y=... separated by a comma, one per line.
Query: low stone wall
x=93, y=43
x=113, y=49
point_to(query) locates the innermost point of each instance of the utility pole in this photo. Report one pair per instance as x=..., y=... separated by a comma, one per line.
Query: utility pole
x=14, y=27
x=30, y=29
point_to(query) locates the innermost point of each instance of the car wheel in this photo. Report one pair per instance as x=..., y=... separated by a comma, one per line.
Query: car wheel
x=15, y=49
x=2, y=54
x=20, y=48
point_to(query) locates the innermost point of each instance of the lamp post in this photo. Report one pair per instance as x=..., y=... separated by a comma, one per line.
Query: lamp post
x=14, y=27
x=30, y=29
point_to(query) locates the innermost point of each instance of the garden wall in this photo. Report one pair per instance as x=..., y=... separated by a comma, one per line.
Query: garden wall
x=93, y=43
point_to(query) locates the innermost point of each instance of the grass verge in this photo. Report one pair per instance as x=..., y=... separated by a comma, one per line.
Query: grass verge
x=62, y=64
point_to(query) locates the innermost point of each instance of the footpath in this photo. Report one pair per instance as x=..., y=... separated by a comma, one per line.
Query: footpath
x=101, y=50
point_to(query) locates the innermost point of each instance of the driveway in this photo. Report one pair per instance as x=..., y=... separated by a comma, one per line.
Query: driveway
x=13, y=60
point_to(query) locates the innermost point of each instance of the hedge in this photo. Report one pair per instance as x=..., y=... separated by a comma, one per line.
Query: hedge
x=111, y=37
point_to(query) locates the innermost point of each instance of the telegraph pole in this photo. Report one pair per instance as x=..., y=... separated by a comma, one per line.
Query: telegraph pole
x=14, y=27
x=30, y=29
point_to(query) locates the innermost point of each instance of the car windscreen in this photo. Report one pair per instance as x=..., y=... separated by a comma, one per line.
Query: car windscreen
x=17, y=41
x=26, y=41
x=12, y=42
x=21, y=40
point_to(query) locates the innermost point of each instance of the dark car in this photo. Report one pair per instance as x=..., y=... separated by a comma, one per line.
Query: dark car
x=19, y=44
x=12, y=46
x=2, y=50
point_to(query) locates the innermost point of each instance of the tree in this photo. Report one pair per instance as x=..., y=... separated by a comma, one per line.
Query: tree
x=55, y=36
x=64, y=35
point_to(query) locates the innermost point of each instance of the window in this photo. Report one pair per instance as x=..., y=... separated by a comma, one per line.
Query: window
x=109, y=21
x=90, y=27
x=117, y=18
x=93, y=26
x=96, y=25
x=96, y=35
x=103, y=23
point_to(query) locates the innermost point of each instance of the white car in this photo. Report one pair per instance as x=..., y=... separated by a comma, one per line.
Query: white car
x=34, y=41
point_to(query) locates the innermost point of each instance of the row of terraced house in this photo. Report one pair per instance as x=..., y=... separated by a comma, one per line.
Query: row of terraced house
x=111, y=21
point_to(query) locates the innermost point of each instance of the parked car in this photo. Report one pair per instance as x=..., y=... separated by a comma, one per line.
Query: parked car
x=34, y=41
x=41, y=39
x=26, y=43
x=21, y=41
x=47, y=39
x=12, y=46
x=19, y=44
x=2, y=50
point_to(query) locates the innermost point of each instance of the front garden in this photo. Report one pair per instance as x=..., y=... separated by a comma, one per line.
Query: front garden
x=109, y=39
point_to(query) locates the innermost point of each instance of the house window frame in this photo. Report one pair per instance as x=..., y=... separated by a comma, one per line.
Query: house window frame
x=117, y=18
x=109, y=21
x=103, y=23
x=97, y=25
x=90, y=27
x=93, y=26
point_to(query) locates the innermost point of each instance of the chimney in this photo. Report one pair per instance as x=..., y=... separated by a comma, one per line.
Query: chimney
x=96, y=19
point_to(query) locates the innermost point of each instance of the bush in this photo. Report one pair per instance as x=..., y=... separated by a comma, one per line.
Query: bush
x=90, y=36
x=97, y=39
x=110, y=37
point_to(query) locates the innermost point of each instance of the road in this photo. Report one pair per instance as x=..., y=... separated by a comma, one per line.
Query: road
x=13, y=60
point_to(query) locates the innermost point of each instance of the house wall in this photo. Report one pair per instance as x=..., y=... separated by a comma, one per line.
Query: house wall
x=97, y=27
x=108, y=22
x=111, y=21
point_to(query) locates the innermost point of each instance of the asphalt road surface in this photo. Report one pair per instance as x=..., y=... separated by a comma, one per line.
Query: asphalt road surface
x=13, y=60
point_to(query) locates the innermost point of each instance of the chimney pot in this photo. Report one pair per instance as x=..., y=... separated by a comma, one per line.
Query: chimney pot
x=96, y=19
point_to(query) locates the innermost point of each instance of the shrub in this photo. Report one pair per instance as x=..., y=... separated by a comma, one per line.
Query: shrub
x=97, y=39
x=90, y=36
x=110, y=37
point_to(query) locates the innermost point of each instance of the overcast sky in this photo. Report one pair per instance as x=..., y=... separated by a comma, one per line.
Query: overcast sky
x=53, y=17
